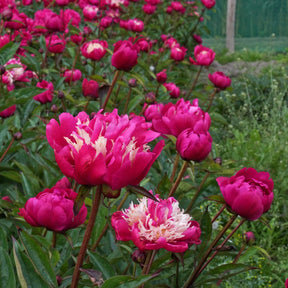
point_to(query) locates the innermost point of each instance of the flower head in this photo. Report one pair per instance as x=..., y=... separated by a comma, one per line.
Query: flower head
x=108, y=149
x=248, y=193
x=204, y=56
x=154, y=225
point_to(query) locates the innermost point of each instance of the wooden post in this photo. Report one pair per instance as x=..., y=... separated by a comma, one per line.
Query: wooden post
x=230, y=25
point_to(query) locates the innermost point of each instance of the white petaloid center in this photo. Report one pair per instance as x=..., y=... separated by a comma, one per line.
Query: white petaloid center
x=93, y=46
x=171, y=228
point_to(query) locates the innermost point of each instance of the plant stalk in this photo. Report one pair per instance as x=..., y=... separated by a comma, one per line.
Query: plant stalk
x=111, y=88
x=179, y=178
x=194, y=83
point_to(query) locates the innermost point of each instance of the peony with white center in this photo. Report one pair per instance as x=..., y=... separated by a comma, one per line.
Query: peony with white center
x=171, y=228
x=94, y=46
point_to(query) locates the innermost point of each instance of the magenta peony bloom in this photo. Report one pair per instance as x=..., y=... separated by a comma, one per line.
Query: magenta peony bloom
x=172, y=119
x=90, y=88
x=72, y=75
x=204, y=56
x=135, y=25
x=108, y=149
x=286, y=283
x=178, y=53
x=47, y=95
x=194, y=146
x=95, y=49
x=8, y=112
x=173, y=90
x=249, y=193
x=55, y=44
x=149, y=9
x=208, y=3
x=154, y=225
x=53, y=209
x=161, y=76
x=220, y=80
x=125, y=55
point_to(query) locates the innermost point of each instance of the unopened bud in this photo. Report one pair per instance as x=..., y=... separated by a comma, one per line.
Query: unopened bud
x=138, y=256
x=61, y=95
x=41, y=50
x=132, y=82
x=59, y=280
x=54, y=108
x=218, y=160
x=17, y=135
x=7, y=14
x=249, y=238
x=150, y=98
x=2, y=69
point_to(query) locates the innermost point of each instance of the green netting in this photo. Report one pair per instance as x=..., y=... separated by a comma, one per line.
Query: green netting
x=258, y=23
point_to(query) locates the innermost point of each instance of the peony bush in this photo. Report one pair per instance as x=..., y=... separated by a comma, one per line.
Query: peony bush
x=107, y=94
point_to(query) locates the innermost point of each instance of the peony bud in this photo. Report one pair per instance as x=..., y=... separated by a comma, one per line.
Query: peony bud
x=150, y=98
x=17, y=135
x=249, y=238
x=132, y=82
x=138, y=256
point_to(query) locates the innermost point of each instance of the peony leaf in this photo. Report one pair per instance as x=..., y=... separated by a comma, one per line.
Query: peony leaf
x=82, y=194
x=39, y=258
x=7, y=278
x=216, y=198
x=140, y=190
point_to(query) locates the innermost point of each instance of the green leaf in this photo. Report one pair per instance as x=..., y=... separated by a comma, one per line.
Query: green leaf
x=206, y=231
x=26, y=273
x=3, y=241
x=7, y=277
x=140, y=190
x=101, y=264
x=216, y=198
x=39, y=258
x=7, y=52
x=82, y=194
x=125, y=281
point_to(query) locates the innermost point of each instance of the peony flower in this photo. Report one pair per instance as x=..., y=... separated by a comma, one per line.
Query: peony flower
x=204, y=56
x=173, y=90
x=172, y=119
x=194, y=146
x=125, y=55
x=135, y=25
x=72, y=75
x=208, y=3
x=178, y=7
x=8, y=112
x=286, y=283
x=178, y=53
x=47, y=95
x=95, y=49
x=220, y=80
x=90, y=88
x=149, y=9
x=55, y=44
x=108, y=149
x=154, y=225
x=248, y=193
x=54, y=22
x=161, y=76
x=53, y=209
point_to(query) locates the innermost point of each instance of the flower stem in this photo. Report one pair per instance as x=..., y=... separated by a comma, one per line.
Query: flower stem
x=148, y=262
x=194, y=83
x=54, y=239
x=87, y=235
x=219, y=212
x=211, y=97
x=197, y=193
x=7, y=149
x=179, y=178
x=127, y=101
x=175, y=165
x=196, y=273
x=107, y=225
x=111, y=88
x=221, y=245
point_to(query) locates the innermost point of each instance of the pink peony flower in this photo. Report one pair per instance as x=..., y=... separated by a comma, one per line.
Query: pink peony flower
x=173, y=90
x=204, y=56
x=90, y=12
x=197, y=38
x=47, y=95
x=55, y=44
x=106, y=22
x=172, y=119
x=135, y=25
x=95, y=49
x=161, y=76
x=194, y=146
x=286, y=283
x=72, y=75
x=108, y=149
x=178, y=53
x=53, y=209
x=208, y=3
x=90, y=88
x=125, y=55
x=220, y=80
x=177, y=6
x=154, y=225
x=54, y=22
x=8, y=112
x=149, y=9
x=248, y=193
